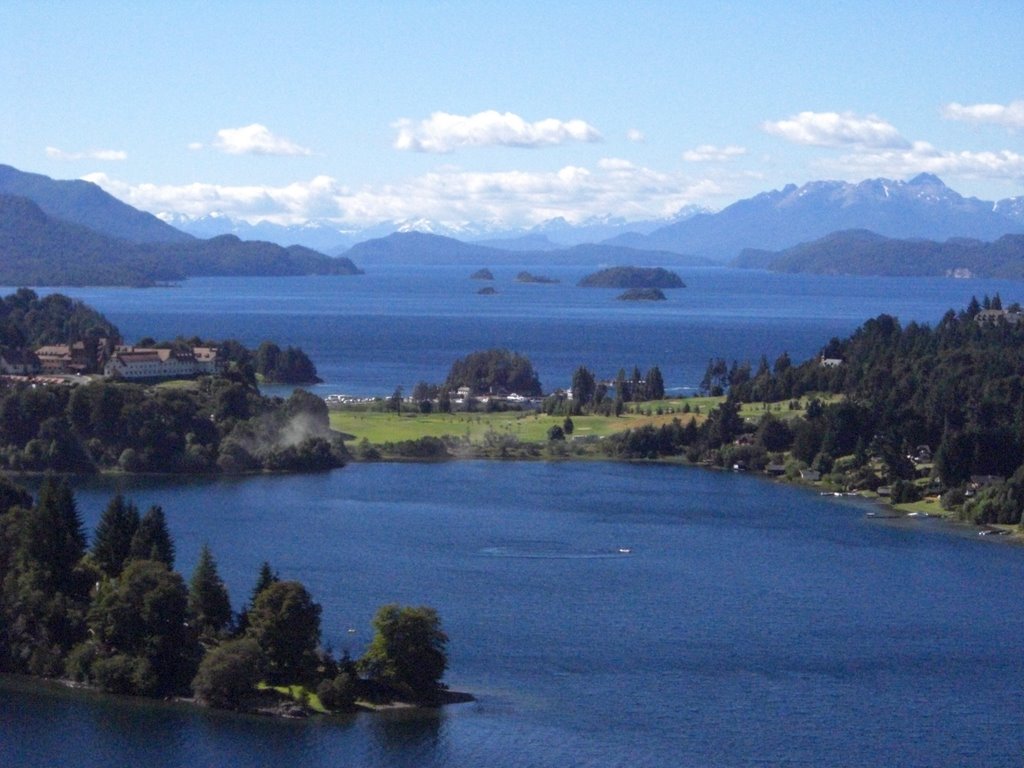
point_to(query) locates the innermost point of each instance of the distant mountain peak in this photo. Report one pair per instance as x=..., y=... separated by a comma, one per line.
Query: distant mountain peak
x=926, y=179
x=923, y=207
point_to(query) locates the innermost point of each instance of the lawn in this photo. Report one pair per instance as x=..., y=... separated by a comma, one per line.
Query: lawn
x=528, y=427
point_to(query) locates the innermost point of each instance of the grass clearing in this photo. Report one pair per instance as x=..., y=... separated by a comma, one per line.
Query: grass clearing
x=380, y=427
x=527, y=427
x=299, y=693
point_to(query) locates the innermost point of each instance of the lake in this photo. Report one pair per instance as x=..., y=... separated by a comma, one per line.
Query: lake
x=748, y=623
x=603, y=614
x=394, y=326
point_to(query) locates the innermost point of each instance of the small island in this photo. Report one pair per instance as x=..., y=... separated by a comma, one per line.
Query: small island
x=117, y=617
x=482, y=274
x=527, y=277
x=642, y=294
x=632, y=277
x=488, y=291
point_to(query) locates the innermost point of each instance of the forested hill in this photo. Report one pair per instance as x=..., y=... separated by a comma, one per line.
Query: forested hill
x=955, y=387
x=38, y=249
x=860, y=252
x=84, y=203
x=28, y=321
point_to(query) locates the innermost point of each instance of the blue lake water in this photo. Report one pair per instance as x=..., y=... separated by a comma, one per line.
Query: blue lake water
x=394, y=326
x=748, y=624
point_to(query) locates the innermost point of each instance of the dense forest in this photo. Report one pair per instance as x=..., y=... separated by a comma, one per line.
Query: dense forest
x=219, y=424
x=28, y=321
x=912, y=408
x=493, y=371
x=860, y=252
x=117, y=616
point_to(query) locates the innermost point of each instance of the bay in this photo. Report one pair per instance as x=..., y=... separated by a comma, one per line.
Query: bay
x=603, y=614
x=745, y=623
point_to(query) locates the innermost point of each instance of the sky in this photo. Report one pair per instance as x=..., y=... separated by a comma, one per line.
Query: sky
x=506, y=114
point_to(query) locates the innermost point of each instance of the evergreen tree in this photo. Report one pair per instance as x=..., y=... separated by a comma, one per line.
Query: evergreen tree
x=143, y=641
x=285, y=622
x=583, y=387
x=44, y=586
x=655, y=389
x=114, y=532
x=267, y=577
x=208, y=603
x=152, y=540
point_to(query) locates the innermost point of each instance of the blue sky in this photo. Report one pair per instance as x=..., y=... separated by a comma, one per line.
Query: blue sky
x=509, y=113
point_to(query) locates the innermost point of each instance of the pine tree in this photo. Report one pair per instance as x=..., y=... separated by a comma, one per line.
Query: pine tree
x=152, y=540
x=208, y=603
x=267, y=577
x=113, y=545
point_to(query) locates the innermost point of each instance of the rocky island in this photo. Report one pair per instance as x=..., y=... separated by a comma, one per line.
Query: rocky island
x=633, y=277
x=527, y=277
x=642, y=294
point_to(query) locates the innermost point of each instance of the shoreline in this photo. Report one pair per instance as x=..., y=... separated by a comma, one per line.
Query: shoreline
x=282, y=707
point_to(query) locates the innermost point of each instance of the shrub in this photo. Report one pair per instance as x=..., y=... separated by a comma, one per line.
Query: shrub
x=228, y=673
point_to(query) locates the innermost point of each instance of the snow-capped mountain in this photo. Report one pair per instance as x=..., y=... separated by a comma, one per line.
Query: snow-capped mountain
x=921, y=207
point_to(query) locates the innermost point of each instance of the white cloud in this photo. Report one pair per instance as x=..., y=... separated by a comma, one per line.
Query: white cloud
x=448, y=195
x=443, y=132
x=711, y=153
x=636, y=136
x=832, y=129
x=923, y=157
x=254, y=139
x=92, y=154
x=1010, y=115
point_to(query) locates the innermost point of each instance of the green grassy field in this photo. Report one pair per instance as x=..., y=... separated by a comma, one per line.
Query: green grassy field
x=530, y=427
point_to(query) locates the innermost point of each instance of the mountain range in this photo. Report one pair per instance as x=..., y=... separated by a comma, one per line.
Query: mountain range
x=55, y=231
x=84, y=203
x=860, y=252
x=923, y=207
x=73, y=233
x=414, y=248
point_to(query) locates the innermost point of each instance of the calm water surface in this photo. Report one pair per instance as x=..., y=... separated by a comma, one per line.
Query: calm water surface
x=748, y=623
x=394, y=327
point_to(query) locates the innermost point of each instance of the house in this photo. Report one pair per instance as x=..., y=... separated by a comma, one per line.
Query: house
x=775, y=469
x=19, y=362
x=922, y=454
x=831, y=362
x=984, y=481
x=993, y=316
x=80, y=357
x=140, y=363
x=811, y=475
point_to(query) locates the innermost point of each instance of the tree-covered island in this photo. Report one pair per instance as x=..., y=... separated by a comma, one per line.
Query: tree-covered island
x=117, y=616
x=633, y=278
